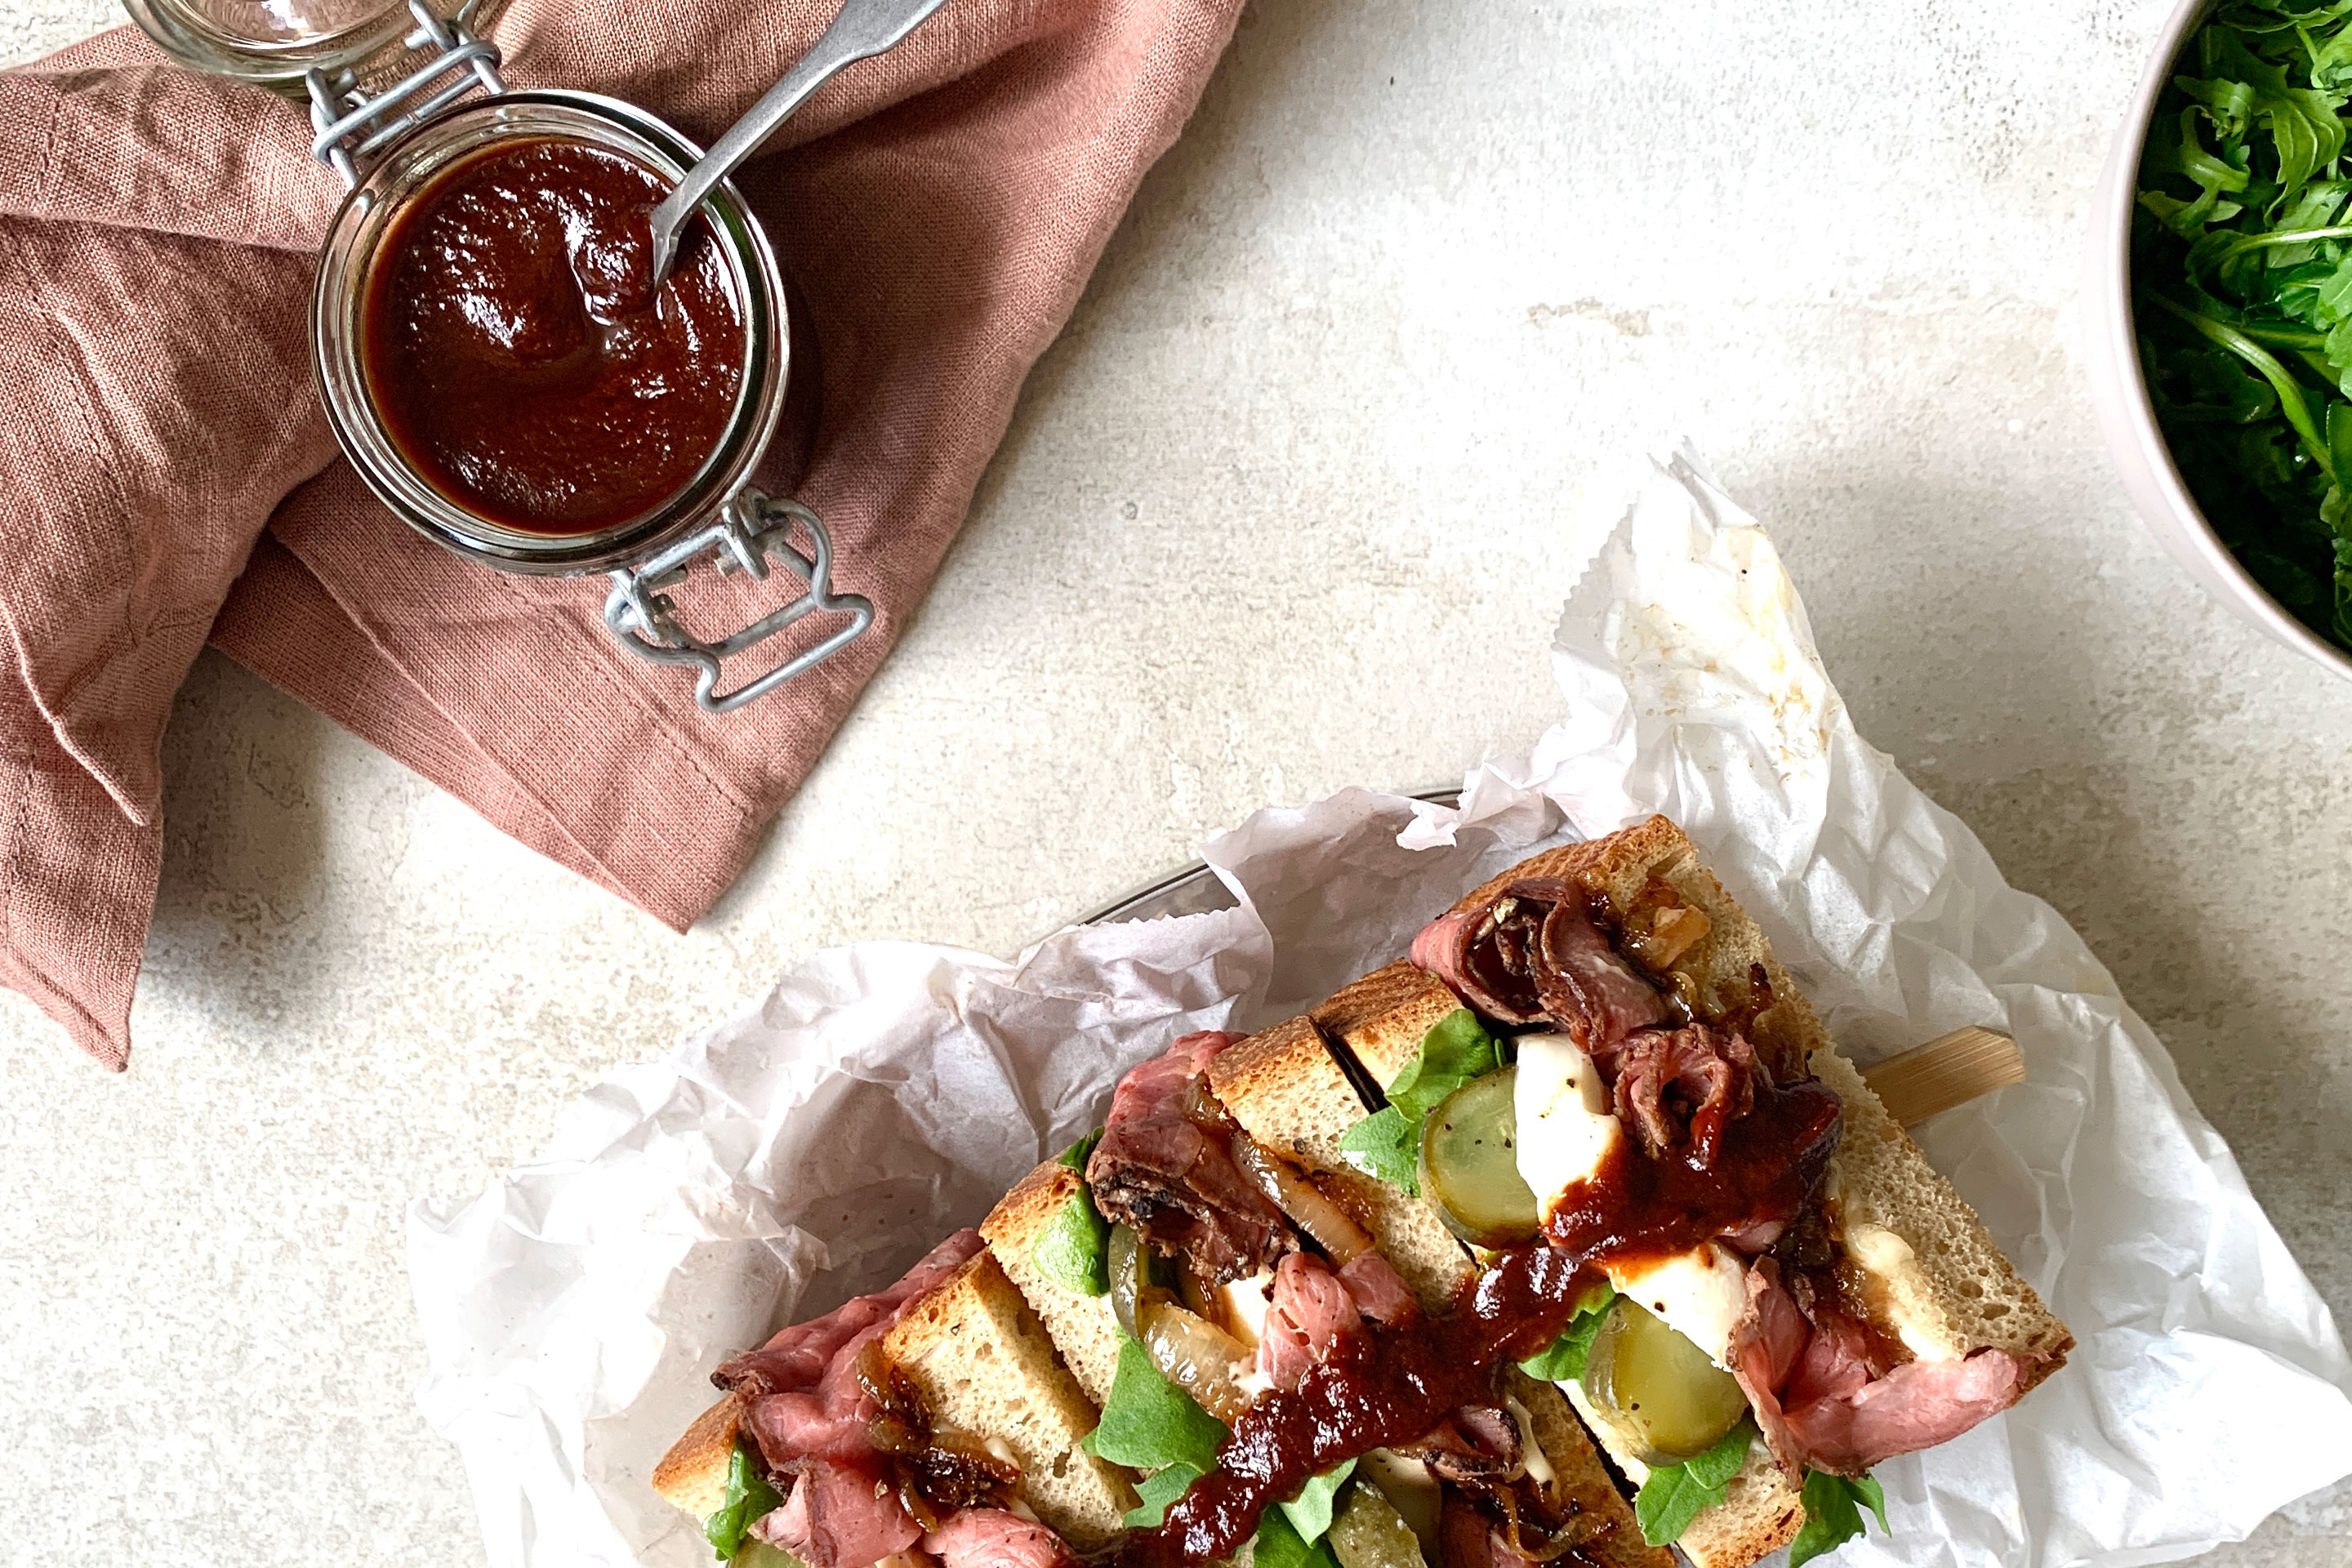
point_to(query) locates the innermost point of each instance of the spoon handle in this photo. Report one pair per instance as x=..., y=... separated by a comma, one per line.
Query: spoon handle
x=863, y=28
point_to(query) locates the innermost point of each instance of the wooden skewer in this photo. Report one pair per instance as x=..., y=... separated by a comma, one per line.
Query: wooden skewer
x=1949, y=1070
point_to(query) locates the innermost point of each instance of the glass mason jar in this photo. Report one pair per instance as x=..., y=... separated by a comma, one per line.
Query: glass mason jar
x=390, y=143
x=355, y=241
x=276, y=42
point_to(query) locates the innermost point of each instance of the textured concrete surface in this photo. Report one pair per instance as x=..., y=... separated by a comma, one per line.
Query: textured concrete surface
x=1289, y=508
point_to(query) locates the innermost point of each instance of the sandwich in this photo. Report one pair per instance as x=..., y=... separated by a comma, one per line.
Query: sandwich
x=1567, y=1238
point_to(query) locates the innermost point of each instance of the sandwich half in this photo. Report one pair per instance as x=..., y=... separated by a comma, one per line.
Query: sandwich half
x=1596, y=1052
x=1361, y=1290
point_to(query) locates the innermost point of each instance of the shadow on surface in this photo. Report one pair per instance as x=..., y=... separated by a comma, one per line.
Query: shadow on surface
x=245, y=825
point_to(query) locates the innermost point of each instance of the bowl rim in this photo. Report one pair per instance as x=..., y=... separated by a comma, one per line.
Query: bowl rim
x=2112, y=250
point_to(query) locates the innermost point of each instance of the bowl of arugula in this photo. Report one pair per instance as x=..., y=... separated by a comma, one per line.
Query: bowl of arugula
x=2220, y=319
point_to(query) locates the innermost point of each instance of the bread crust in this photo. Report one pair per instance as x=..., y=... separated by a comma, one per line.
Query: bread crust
x=1382, y=1018
x=693, y=1475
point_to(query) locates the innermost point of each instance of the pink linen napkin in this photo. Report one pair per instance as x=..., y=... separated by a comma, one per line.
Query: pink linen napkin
x=171, y=476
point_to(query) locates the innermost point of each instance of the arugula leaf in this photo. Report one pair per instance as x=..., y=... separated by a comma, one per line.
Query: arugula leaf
x=1457, y=1049
x=1149, y=1423
x=1677, y=1494
x=1564, y=1362
x=1831, y=1518
x=2241, y=266
x=1310, y=1511
x=1386, y=1145
x=1279, y=1545
x=1074, y=1249
x=1158, y=1490
x=750, y=1499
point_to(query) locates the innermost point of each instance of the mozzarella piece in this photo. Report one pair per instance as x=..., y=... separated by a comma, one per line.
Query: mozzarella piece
x=1244, y=1303
x=1538, y=1462
x=1902, y=1290
x=1566, y=1126
x=1699, y=1294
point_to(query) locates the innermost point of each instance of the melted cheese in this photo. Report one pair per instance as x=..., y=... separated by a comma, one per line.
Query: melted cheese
x=1566, y=1127
x=1699, y=1294
x=1897, y=1284
x=1538, y=1462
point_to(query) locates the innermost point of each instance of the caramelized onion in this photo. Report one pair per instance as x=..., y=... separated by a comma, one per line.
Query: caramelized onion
x=1198, y=1357
x=1333, y=1230
x=1672, y=932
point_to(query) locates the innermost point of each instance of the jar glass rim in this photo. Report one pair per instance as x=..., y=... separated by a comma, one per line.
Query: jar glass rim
x=411, y=165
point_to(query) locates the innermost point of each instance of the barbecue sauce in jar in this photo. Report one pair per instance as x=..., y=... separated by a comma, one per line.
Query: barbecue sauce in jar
x=519, y=360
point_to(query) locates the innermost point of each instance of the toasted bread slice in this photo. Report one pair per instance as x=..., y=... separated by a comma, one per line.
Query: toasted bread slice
x=1083, y=1328
x=1583, y=1479
x=1286, y=1089
x=693, y=1475
x=986, y=1368
x=1382, y=1018
x=1949, y=1287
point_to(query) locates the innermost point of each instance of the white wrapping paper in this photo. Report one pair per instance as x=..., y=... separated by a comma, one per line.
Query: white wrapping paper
x=883, y=1094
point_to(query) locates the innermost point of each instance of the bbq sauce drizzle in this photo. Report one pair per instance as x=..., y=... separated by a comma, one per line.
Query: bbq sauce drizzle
x=1379, y=1388
x=1386, y=1387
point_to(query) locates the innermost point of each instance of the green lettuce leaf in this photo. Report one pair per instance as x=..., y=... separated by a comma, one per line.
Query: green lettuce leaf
x=1074, y=1249
x=1279, y=1545
x=1387, y=1144
x=1564, y=1362
x=1149, y=1423
x=1158, y=1490
x=1310, y=1511
x=1677, y=1494
x=748, y=1499
x=1457, y=1049
x=1834, y=1507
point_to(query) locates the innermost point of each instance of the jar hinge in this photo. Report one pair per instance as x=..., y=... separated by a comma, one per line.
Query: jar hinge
x=753, y=527
x=353, y=127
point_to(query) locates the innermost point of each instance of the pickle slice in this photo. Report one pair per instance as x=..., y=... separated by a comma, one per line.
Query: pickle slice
x=1470, y=1163
x=1368, y=1533
x=1658, y=1389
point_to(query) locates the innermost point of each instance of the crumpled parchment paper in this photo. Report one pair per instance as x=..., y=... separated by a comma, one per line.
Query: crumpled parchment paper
x=884, y=1094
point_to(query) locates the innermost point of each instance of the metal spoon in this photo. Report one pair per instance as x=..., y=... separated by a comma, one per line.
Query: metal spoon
x=863, y=28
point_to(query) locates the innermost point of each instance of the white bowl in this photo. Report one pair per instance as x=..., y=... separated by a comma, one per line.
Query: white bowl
x=2120, y=395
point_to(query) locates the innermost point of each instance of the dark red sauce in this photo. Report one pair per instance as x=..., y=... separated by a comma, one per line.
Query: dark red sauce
x=1377, y=1389
x=1770, y=1162
x=516, y=356
x=1385, y=1387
